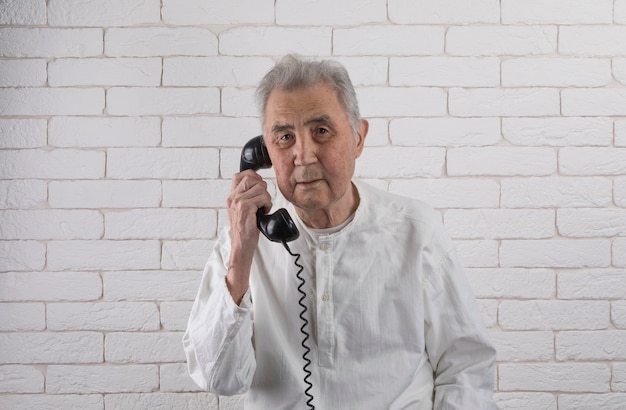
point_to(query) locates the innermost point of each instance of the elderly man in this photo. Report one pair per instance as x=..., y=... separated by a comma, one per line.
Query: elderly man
x=392, y=321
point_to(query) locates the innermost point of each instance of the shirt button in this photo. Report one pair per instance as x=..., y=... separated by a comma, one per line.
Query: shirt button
x=325, y=297
x=324, y=247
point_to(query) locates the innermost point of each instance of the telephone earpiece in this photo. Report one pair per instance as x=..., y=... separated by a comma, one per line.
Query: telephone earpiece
x=277, y=227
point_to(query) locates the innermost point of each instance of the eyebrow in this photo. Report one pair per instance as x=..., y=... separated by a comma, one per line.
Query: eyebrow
x=322, y=119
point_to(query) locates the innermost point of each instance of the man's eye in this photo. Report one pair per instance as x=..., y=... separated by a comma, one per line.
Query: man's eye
x=322, y=131
x=285, y=138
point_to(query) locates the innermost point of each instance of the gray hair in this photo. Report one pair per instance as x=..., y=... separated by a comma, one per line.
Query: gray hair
x=293, y=72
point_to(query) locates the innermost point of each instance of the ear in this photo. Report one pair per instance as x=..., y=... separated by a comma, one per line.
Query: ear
x=360, y=137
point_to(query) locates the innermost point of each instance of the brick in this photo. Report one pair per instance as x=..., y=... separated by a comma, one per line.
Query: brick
x=104, y=13
x=620, y=133
x=118, y=316
x=525, y=400
x=450, y=193
x=523, y=346
x=619, y=11
x=556, y=192
x=60, y=163
x=103, y=255
x=185, y=254
x=594, y=102
x=586, y=223
x=22, y=193
x=162, y=163
x=136, y=101
x=563, y=377
x=501, y=161
x=23, y=73
x=50, y=42
x=50, y=286
x=174, y=315
x=351, y=12
x=553, y=315
x=512, y=283
x=23, y=12
x=489, y=311
x=607, y=401
x=401, y=101
x=159, y=41
x=51, y=101
x=557, y=12
x=20, y=379
x=51, y=224
x=215, y=71
x=22, y=316
x=558, y=131
x=233, y=402
x=477, y=253
x=556, y=72
x=592, y=161
x=555, y=253
x=493, y=102
x=161, y=224
x=104, y=194
x=217, y=12
x=239, y=103
x=444, y=132
x=400, y=162
x=51, y=347
x=592, y=41
x=208, y=131
x=51, y=402
x=619, y=252
x=22, y=133
x=499, y=223
x=444, y=71
x=261, y=41
x=592, y=284
x=619, y=378
x=175, y=378
x=619, y=69
x=618, y=314
x=102, y=379
x=592, y=346
x=22, y=256
x=619, y=191
x=144, y=347
x=105, y=72
x=104, y=131
x=191, y=401
x=444, y=12
x=501, y=40
x=388, y=40
x=196, y=194
x=366, y=70
x=147, y=285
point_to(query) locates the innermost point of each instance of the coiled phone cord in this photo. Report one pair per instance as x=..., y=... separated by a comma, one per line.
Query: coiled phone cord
x=305, y=323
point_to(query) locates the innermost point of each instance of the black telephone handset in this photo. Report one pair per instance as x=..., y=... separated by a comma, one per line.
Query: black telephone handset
x=277, y=227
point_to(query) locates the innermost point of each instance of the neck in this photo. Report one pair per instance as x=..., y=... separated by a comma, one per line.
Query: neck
x=333, y=216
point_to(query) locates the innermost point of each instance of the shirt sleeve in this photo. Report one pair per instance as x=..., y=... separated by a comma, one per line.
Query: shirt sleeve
x=218, y=339
x=457, y=342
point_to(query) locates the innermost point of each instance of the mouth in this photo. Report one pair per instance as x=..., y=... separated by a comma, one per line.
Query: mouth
x=308, y=184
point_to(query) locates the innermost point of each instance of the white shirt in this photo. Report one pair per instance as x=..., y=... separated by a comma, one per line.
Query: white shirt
x=392, y=318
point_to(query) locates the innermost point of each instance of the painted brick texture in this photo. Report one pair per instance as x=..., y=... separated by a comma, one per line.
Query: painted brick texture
x=120, y=127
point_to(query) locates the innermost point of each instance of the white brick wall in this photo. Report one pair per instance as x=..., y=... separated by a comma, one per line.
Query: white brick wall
x=120, y=126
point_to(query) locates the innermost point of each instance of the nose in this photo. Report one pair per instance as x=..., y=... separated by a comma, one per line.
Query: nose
x=305, y=151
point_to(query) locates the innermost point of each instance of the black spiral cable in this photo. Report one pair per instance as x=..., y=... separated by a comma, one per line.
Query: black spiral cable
x=305, y=334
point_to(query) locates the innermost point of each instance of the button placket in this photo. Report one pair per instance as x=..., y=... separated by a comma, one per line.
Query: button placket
x=325, y=322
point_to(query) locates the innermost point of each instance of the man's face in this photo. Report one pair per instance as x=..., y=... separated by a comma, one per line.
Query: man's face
x=313, y=149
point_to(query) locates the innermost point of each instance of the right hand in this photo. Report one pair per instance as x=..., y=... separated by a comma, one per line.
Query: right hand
x=248, y=193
